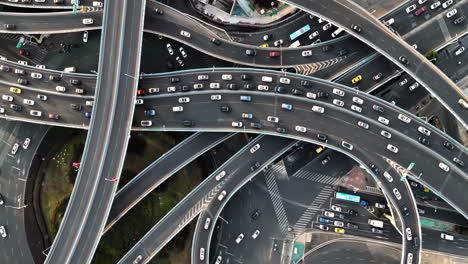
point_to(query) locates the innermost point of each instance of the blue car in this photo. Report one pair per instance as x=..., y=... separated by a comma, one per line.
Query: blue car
x=150, y=112
x=364, y=203
x=246, y=98
x=324, y=220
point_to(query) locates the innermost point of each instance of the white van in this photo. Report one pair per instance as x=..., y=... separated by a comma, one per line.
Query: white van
x=376, y=223
x=70, y=69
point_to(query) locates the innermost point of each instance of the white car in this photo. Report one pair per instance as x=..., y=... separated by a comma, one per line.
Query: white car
x=329, y=214
x=338, y=223
x=239, y=238
x=338, y=92
x=236, y=124
x=313, y=35
x=97, y=4
x=383, y=120
x=422, y=1
x=451, y=13
x=88, y=21
x=2, y=110
x=254, y=148
x=89, y=103
x=459, y=51
x=435, y=5
x=262, y=87
x=379, y=205
x=388, y=176
x=26, y=143
x=356, y=108
x=169, y=49
x=424, y=131
x=409, y=259
x=347, y=145
x=318, y=109
x=28, y=101
x=386, y=134
x=463, y=103
x=273, y=119
x=397, y=193
x=218, y=260
x=278, y=42
x=182, y=52
x=85, y=36
x=336, y=208
x=3, y=232
x=301, y=129
x=411, y=8
x=358, y=100
x=220, y=175
x=215, y=97
x=207, y=223
x=36, y=75
x=184, y=100
x=327, y=26
x=446, y=236
x=179, y=60
x=203, y=77
x=404, y=118
x=221, y=195
x=306, y=53
x=267, y=79
x=447, y=3
x=42, y=97
x=22, y=62
x=226, y=77
x=171, y=89
x=14, y=149
x=255, y=234
x=285, y=80
x=139, y=101
x=363, y=125
x=392, y=148
x=59, y=88
x=338, y=102
x=409, y=236
x=311, y=95
x=177, y=109
x=35, y=113
x=146, y=123
x=215, y=85
x=185, y=34
x=202, y=253
x=324, y=227
x=197, y=86
x=8, y=98
x=444, y=167
x=153, y=90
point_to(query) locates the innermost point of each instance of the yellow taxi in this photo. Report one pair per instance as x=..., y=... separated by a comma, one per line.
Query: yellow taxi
x=356, y=79
x=264, y=45
x=320, y=149
x=15, y=90
x=339, y=230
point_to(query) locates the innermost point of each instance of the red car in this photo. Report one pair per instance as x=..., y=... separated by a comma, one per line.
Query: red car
x=54, y=116
x=419, y=11
x=274, y=54
x=24, y=52
x=140, y=92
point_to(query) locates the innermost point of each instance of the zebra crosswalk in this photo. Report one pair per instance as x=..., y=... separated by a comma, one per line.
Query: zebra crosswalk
x=275, y=196
x=316, y=177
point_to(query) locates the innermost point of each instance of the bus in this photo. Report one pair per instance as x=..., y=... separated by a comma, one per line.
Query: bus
x=336, y=32
x=348, y=197
x=299, y=32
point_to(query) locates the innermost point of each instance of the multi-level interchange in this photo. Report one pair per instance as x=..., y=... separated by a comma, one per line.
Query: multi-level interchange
x=380, y=88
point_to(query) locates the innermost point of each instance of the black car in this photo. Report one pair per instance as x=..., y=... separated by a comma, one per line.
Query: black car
x=327, y=48
x=9, y=26
x=76, y=107
x=322, y=94
x=16, y=107
x=232, y=86
x=184, y=88
x=378, y=108
x=356, y=28
x=375, y=169
x=158, y=11
x=322, y=137
x=280, y=89
x=248, y=86
x=255, y=215
x=377, y=230
x=255, y=166
x=225, y=108
x=458, y=161
x=415, y=242
x=54, y=78
x=448, y=145
x=352, y=212
x=343, y=52
x=245, y=77
x=403, y=60
x=306, y=83
x=281, y=130
x=352, y=226
x=326, y=160
x=423, y=140
x=175, y=80
x=256, y=125
x=459, y=19
x=297, y=92
x=1, y=200
x=405, y=210
x=377, y=76
x=75, y=82
x=22, y=81
x=188, y=123
x=216, y=41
